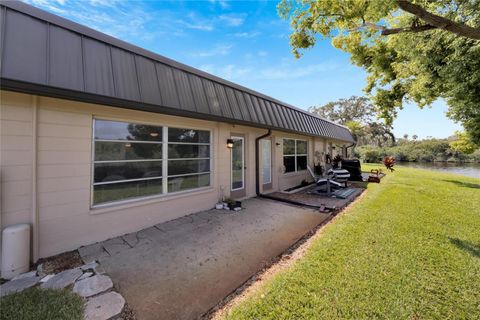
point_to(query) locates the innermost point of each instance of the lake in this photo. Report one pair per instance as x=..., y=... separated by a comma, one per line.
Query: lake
x=464, y=169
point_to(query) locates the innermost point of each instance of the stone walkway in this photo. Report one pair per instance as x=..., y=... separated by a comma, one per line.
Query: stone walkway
x=182, y=268
x=88, y=281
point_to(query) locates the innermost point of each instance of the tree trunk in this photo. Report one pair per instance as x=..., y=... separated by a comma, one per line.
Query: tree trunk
x=440, y=22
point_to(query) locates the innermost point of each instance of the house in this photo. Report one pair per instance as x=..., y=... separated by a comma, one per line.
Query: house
x=100, y=138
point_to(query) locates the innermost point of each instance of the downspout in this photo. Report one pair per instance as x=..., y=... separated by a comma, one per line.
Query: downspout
x=350, y=146
x=34, y=180
x=257, y=180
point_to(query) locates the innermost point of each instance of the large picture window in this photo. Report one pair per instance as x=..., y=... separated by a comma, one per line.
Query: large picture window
x=135, y=160
x=294, y=155
x=188, y=159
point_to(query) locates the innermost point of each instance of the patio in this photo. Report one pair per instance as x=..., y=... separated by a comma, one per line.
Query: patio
x=182, y=268
x=308, y=196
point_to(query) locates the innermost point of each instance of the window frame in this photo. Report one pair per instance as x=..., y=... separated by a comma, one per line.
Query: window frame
x=295, y=155
x=164, y=142
x=165, y=151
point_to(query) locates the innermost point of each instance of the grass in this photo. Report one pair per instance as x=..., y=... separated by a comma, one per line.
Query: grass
x=42, y=304
x=410, y=249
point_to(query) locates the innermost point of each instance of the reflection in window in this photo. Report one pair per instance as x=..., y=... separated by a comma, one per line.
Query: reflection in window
x=188, y=159
x=129, y=160
x=114, y=130
x=295, y=155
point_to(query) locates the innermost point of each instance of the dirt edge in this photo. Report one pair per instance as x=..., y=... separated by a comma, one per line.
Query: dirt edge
x=280, y=263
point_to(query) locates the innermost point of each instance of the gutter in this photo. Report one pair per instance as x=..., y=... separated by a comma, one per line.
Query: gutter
x=257, y=180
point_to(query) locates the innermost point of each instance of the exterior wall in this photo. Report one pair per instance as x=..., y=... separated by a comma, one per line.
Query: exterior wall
x=16, y=156
x=60, y=170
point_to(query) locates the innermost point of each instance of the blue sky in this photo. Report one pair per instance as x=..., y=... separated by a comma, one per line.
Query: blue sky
x=245, y=42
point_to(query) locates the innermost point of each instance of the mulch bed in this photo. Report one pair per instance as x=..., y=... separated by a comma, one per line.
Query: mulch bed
x=60, y=262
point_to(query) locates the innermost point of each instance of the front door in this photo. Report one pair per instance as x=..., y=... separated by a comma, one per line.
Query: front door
x=238, y=167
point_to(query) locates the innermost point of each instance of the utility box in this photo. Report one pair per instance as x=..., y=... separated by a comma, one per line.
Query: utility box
x=15, y=250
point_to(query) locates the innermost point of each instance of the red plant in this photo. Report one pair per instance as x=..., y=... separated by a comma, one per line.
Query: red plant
x=389, y=162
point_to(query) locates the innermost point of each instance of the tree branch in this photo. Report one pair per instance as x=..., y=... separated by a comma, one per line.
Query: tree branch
x=438, y=21
x=386, y=32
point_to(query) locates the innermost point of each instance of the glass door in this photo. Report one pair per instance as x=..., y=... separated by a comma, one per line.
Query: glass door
x=238, y=167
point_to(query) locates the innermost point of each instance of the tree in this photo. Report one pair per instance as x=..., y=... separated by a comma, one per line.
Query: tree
x=463, y=143
x=342, y=111
x=358, y=114
x=413, y=51
x=414, y=137
x=405, y=136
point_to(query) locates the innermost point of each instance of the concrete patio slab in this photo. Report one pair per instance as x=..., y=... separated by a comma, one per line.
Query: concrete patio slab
x=192, y=263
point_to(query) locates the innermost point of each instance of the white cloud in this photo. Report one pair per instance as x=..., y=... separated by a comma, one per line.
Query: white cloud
x=223, y=3
x=193, y=21
x=262, y=53
x=219, y=50
x=104, y=3
x=232, y=20
x=197, y=26
x=50, y=5
x=230, y=71
x=282, y=72
x=246, y=34
x=288, y=72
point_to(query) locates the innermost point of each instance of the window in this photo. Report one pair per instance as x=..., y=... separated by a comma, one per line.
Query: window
x=188, y=159
x=136, y=160
x=294, y=155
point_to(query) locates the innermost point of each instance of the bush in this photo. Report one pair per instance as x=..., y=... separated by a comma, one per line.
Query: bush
x=370, y=154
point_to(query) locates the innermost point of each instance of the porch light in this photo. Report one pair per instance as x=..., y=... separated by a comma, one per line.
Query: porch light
x=229, y=143
x=154, y=134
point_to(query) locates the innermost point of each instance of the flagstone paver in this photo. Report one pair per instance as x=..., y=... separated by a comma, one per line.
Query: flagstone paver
x=104, y=306
x=18, y=285
x=92, y=286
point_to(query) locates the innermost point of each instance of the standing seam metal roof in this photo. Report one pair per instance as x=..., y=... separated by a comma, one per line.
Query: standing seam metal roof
x=48, y=55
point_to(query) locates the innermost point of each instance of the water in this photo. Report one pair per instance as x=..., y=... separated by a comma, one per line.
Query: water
x=464, y=169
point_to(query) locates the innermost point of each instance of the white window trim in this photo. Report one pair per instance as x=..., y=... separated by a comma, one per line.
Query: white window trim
x=165, y=143
x=243, y=165
x=295, y=155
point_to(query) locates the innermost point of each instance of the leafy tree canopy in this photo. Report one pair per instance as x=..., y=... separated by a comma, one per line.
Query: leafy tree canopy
x=413, y=51
x=358, y=114
x=462, y=143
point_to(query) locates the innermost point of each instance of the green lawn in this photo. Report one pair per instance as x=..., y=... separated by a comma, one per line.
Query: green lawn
x=42, y=304
x=410, y=249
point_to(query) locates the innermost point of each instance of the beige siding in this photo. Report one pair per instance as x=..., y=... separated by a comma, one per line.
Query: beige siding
x=63, y=162
x=16, y=151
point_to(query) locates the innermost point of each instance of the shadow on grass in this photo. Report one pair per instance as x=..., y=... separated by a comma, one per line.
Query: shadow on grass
x=464, y=184
x=471, y=248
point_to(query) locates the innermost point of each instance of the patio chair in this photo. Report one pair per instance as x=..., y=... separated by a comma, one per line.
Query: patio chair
x=339, y=175
x=322, y=183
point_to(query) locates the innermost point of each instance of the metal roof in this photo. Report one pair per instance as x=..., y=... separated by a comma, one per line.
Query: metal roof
x=48, y=55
